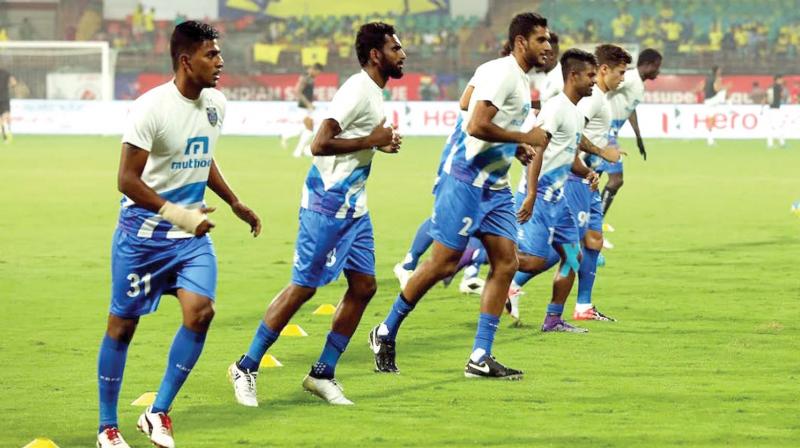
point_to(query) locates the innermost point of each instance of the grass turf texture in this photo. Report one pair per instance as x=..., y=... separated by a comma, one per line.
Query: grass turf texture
x=703, y=280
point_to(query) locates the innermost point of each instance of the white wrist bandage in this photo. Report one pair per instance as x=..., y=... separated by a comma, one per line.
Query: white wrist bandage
x=186, y=219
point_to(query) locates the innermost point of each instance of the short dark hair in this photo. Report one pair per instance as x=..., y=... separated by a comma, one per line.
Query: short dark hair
x=318, y=66
x=574, y=59
x=612, y=55
x=648, y=56
x=523, y=24
x=553, y=39
x=371, y=35
x=187, y=36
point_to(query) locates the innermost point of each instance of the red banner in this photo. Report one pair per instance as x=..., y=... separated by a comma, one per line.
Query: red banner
x=256, y=87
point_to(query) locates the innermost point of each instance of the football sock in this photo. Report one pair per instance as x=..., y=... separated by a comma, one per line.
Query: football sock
x=586, y=276
x=397, y=314
x=487, y=327
x=607, y=197
x=422, y=241
x=555, y=309
x=183, y=355
x=334, y=347
x=110, y=366
x=262, y=341
x=471, y=272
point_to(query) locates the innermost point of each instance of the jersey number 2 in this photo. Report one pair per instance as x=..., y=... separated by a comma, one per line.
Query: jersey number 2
x=467, y=224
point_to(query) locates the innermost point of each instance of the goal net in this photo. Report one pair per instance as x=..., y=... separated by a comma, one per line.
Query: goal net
x=60, y=70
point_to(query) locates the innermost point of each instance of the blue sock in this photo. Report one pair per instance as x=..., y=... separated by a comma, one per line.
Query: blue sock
x=487, y=327
x=397, y=314
x=110, y=365
x=183, y=355
x=555, y=309
x=586, y=275
x=262, y=341
x=334, y=347
x=422, y=241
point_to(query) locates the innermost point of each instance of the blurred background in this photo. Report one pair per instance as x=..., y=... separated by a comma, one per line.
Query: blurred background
x=267, y=43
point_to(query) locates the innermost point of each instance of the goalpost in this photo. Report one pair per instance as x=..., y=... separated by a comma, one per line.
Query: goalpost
x=66, y=70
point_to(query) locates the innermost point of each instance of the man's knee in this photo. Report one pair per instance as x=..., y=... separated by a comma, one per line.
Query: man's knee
x=364, y=290
x=614, y=183
x=506, y=265
x=201, y=317
x=593, y=240
x=121, y=329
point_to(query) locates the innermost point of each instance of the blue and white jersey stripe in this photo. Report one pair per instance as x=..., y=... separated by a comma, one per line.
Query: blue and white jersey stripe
x=562, y=119
x=504, y=84
x=180, y=134
x=336, y=185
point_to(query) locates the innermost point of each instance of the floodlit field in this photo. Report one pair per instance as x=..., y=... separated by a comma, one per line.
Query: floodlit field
x=704, y=281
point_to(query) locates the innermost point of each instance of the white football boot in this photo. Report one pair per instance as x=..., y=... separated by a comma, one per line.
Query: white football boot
x=402, y=275
x=472, y=285
x=327, y=389
x=244, y=385
x=111, y=438
x=158, y=427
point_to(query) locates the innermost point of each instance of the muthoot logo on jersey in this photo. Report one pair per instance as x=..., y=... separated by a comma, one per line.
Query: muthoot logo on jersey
x=195, y=146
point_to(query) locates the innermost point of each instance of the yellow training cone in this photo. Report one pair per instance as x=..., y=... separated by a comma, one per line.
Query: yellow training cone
x=41, y=442
x=270, y=361
x=146, y=399
x=324, y=310
x=293, y=330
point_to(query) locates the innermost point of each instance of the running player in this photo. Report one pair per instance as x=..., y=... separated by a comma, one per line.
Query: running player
x=475, y=254
x=551, y=225
x=161, y=244
x=623, y=108
x=586, y=204
x=7, y=82
x=304, y=90
x=335, y=229
x=473, y=196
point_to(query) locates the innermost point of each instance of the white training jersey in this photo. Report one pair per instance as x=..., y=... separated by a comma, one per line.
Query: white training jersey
x=336, y=185
x=553, y=84
x=180, y=134
x=564, y=122
x=484, y=164
x=597, y=110
x=624, y=101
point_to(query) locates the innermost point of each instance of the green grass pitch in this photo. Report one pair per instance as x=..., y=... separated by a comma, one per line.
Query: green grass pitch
x=703, y=279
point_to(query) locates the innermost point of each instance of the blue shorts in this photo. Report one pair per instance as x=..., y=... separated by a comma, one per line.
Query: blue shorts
x=327, y=245
x=585, y=204
x=610, y=167
x=552, y=223
x=461, y=210
x=143, y=269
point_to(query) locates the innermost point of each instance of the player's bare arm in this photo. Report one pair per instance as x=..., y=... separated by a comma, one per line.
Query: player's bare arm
x=634, y=120
x=463, y=102
x=218, y=184
x=579, y=168
x=326, y=144
x=129, y=183
x=533, y=169
x=480, y=126
x=609, y=153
